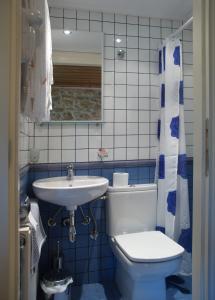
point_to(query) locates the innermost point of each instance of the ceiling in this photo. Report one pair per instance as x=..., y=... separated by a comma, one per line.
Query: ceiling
x=166, y=9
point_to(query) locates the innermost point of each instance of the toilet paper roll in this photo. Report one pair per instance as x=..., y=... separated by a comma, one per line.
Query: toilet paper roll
x=120, y=179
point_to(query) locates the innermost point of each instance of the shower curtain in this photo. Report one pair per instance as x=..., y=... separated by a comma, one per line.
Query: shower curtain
x=173, y=203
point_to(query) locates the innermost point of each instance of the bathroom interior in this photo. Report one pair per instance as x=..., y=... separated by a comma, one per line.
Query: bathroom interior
x=106, y=150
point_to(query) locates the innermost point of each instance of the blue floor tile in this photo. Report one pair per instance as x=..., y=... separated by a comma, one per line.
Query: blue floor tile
x=95, y=291
x=109, y=291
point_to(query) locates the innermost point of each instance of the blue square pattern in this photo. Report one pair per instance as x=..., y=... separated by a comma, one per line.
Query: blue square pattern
x=89, y=261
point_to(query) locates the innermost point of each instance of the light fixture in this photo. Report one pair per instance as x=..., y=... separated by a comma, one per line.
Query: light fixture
x=121, y=54
x=118, y=40
x=67, y=32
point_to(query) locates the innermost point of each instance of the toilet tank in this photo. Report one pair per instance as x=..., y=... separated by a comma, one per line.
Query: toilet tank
x=131, y=209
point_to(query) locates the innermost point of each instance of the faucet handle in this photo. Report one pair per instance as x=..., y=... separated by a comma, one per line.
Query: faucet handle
x=70, y=166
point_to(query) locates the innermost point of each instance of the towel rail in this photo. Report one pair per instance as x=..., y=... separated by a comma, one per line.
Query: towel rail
x=27, y=279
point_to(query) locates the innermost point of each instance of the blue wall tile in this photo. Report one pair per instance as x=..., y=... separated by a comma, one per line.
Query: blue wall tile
x=88, y=260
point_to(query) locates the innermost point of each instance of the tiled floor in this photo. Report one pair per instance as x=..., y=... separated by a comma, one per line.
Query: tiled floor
x=98, y=291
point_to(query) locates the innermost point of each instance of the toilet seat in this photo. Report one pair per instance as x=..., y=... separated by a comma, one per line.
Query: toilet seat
x=148, y=246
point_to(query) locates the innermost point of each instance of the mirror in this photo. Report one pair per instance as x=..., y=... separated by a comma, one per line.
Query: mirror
x=77, y=72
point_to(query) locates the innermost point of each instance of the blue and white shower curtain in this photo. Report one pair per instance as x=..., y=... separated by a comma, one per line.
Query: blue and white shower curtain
x=173, y=203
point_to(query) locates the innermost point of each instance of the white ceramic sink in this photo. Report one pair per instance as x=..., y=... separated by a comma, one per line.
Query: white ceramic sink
x=70, y=193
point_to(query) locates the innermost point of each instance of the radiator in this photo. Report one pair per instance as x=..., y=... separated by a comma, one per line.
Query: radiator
x=28, y=277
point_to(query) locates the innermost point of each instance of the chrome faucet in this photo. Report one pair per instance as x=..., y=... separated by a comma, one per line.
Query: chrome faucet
x=70, y=172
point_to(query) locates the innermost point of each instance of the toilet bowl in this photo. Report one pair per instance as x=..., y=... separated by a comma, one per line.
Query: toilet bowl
x=145, y=257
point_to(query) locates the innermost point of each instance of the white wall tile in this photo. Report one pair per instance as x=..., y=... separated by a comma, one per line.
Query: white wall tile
x=41, y=130
x=120, y=128
x=129, y=84
x=120, y=115
x=43, y=157
x=144, y=141
x=107, y=141
x=81, y=155
x=108, y=102
x=132, y=153
x=108, y=65
x=144, y=43
x=132, y=91
x=107, y=129
x=155, y=22
x=54, y=142
x=68, y=142
x=120, y=78
x=132, y=116
x=108, y=77
x=54, y=156
x=83, y=14
x=132, y=128
x=68, y=155
x=57, y=23
x=95, y=26
x=120, y=153
x=155, y=32
x=70, y=13
x=108, y=17
x=82, y=142
x=120, y=90
x=95, y=129
x=143, y=153
x=132, y=141
x=132, y=54
x=56, y=12
x=132, y=30
x=119, y=141
x=132, y=19
x=144, y=91
x=120, y=103
x=70, y=24
x=95, y=16
x=120, y=66
x=143, y=21
x=82, y=129
x=68, y=129
x=144, y=31
x=108, y=115
x=109, y=40
x=95, y=141
x=166, y=23
x=120, y=18
x=108, y=27
x=132, y=103
x=109, y=52
x=120, y=29
x=132, y=78
x=132, y=66
x=132, y=42
x=144, y=104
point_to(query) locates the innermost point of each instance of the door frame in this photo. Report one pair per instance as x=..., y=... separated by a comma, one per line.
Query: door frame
x=204, y=150
x=204, y=94
x=10, y=53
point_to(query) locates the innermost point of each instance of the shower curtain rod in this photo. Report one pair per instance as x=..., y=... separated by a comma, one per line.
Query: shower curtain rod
x=180, y=29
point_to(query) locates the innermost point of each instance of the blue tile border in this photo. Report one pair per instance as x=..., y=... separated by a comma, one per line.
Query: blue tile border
x=91, y=165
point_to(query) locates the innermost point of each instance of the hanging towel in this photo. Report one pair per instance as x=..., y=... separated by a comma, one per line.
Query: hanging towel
x=38, y=233
x=38, y=77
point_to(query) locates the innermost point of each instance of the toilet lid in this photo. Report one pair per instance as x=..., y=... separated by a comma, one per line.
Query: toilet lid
x=148, y=246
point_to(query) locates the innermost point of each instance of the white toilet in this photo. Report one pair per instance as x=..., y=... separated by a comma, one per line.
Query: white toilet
x=144, y=256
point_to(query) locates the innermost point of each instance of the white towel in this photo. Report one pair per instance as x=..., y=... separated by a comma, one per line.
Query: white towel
x=38, y=76
x=38, y=233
